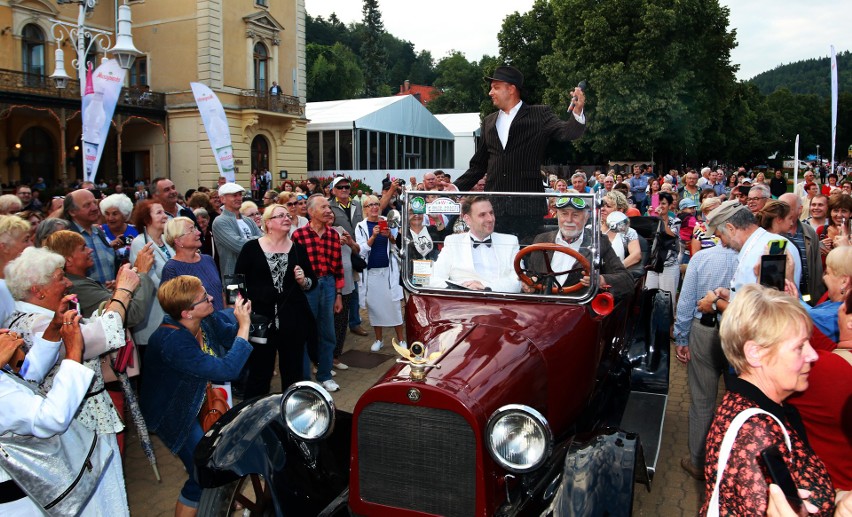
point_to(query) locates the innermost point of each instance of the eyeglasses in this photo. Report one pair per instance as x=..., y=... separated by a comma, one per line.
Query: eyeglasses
x=203, y=300
x=253, y=214
x=279, y=216
x=573, y=202
x=193, y=231
x=343, y=187
x=758, y=198
x=368, y=205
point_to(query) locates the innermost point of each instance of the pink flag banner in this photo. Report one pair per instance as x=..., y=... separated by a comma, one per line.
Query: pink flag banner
x=102, y=90
x=216, y=125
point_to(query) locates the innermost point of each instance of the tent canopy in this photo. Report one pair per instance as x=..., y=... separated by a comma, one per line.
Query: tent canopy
x=402, y=115
x=461, y=124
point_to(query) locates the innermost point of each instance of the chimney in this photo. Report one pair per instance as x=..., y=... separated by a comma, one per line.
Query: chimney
x=407, y=86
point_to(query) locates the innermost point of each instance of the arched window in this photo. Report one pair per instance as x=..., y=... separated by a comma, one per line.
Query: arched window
x=259, y=153
x=261, y=61
x=32, y=50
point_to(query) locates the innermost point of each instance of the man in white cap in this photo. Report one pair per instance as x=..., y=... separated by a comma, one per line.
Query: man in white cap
x=231, y=230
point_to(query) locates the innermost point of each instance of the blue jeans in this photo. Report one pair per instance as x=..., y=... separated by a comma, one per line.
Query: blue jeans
x=190, y=494
x=354, y=308
x=321, y=299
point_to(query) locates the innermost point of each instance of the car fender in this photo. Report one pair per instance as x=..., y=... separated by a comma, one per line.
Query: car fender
x=598, y=476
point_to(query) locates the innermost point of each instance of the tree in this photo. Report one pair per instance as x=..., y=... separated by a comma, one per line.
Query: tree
x=373, y=55
x=658, y=72
x=524, y=40
x=333, y=73
x=460, y=82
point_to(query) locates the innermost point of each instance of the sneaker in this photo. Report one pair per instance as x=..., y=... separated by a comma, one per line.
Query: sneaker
x=692, y=470
x=330, y=386
x=333, y=373
x=403, y=344
x=340, y=366
x=376, y=346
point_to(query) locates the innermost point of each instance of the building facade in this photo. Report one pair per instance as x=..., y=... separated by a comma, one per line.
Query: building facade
x=238, y=48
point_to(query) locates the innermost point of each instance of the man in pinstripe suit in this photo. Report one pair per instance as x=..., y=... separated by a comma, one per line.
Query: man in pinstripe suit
x=513, y=145
x=514, y=138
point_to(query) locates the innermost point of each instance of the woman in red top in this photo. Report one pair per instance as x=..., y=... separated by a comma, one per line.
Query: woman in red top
x=764, y=336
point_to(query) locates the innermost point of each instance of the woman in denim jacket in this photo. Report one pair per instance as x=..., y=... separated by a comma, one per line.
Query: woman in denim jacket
x=193, y=346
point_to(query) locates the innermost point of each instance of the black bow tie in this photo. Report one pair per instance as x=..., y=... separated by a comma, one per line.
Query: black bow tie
x=476, y=243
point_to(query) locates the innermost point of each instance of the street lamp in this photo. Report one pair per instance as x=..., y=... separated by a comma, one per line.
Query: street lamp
x=818, y=160
x=124, y=51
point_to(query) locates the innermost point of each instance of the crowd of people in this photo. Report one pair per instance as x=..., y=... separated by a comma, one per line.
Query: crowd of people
x=176, y=281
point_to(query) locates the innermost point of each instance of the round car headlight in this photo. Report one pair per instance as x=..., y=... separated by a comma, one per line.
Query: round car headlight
x=308, y=411
x=519, y=438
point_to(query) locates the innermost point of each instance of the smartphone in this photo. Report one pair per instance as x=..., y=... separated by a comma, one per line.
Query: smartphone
x=383, y=225
x=777, y=469
x=773, y=270
x=777, y=246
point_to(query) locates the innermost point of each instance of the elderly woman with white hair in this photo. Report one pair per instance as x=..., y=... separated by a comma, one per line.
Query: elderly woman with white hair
x=37, y=281
x=116, y=210
x=14, y=239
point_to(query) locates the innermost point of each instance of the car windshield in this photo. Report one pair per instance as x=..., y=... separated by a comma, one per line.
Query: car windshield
x=530, y=245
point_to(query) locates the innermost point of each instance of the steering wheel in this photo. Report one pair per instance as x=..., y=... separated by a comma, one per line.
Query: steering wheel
x=544, y=247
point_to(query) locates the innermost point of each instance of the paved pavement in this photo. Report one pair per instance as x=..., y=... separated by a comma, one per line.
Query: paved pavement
x=673, y=492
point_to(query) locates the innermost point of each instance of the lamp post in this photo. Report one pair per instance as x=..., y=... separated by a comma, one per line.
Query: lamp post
x=818, y=160
x=83, y=38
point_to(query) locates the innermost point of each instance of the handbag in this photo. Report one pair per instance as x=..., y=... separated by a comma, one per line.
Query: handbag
x=214, y=406
x=725, y=451
x=662, y=245
x=358, y=263
x=60, y=473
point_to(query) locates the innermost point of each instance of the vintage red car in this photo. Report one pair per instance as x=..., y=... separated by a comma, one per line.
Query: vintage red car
x=547, y=399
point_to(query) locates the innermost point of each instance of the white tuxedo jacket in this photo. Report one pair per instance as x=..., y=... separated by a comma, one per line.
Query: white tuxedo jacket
x=455, y=263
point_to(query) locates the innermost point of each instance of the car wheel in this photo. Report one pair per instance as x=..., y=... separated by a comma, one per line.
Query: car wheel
x=249, y=495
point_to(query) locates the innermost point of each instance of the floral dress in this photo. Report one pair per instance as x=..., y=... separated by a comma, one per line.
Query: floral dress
x=745, y=485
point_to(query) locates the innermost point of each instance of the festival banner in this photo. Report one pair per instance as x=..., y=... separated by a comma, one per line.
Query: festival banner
x=833, y=105
x=216, y=125
x=101, y=95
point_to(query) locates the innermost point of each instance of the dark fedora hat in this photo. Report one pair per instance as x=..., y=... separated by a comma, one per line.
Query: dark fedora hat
x=508, y=74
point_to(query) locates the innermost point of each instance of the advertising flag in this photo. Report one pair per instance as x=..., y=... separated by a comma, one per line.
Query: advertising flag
x=103, y=86
x=833, y=105
x=216, y=125
x=796, y=163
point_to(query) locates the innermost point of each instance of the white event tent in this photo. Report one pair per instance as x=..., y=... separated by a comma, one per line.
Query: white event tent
x=466, y=128
x=368, y=139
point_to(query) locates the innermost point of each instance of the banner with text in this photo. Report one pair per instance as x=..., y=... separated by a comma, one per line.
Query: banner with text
x=833, y=106
x=101, y=95
x=216, y=125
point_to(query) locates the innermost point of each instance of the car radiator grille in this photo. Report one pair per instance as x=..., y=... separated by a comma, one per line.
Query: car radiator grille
x=417, y=458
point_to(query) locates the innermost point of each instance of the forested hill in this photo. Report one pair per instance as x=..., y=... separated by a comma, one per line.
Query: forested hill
x=808, y=76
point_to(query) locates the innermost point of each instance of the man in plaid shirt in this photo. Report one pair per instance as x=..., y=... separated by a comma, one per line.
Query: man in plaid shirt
x=323, y=245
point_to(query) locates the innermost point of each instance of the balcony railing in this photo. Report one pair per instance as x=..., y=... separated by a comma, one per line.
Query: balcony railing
x=254, y=99
x=35, y=84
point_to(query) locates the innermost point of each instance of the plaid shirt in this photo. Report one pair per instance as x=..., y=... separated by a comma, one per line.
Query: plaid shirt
x=323, y=252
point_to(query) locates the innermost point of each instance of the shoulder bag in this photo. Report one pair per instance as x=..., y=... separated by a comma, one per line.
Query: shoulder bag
x=663, y=243
x=61, y=473
x=725, y=451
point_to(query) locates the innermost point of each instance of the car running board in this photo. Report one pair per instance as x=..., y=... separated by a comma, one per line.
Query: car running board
x=644, y=414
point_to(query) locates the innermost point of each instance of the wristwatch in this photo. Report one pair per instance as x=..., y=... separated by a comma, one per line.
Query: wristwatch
x=716, y=309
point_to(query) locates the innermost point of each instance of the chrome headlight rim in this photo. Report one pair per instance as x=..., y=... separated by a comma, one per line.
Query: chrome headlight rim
x=537, y=418
x=322, y=396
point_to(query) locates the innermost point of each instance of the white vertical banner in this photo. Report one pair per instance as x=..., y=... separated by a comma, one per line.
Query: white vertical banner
x=216, y=125
x=102, y=90
x=833, y=105
x=796, y=164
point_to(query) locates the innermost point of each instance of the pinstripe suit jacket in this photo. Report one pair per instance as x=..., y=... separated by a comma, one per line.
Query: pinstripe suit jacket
x=517, y=168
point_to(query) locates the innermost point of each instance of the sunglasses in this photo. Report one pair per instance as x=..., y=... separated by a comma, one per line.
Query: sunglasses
x=291, y=203
x=572, y=202
x=343, y=187
x=301, y=197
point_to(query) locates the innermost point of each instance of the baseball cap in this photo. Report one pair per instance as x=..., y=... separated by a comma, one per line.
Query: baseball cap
x=687, y=203
x=337, y=180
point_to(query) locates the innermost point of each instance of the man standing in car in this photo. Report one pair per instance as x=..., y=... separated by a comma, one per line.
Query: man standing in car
x=514, y=139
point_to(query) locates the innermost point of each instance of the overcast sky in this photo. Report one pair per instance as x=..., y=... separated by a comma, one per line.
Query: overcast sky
x=769, y=32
